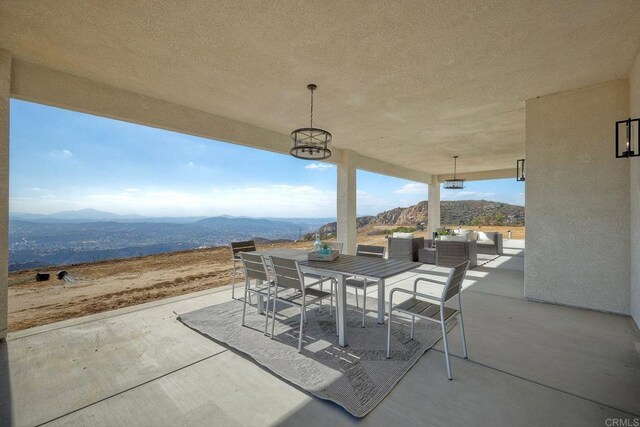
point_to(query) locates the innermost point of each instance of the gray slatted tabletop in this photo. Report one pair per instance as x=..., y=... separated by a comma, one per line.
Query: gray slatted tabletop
x=374, y=268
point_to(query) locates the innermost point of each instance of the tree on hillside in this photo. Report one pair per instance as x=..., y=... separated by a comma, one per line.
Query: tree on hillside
x=496, y=219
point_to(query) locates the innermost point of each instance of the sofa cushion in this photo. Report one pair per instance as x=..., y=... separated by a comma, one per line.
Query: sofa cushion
x=483, y=239
x=464, y=233
x=453, y=238
x=469, y=234
x=397, y=235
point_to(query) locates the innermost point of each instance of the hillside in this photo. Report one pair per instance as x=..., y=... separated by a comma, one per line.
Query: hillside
x=454, y=212
x=111, y=284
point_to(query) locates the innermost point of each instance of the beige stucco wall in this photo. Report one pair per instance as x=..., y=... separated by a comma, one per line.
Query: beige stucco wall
x=634, y=103
x=5, y=81
x=577, y=199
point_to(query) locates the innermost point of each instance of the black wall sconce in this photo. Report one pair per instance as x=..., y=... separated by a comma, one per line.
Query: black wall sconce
x=628, y=138
x=520, y=170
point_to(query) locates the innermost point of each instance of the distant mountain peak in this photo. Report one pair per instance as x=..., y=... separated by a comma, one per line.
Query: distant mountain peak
x=88, y=214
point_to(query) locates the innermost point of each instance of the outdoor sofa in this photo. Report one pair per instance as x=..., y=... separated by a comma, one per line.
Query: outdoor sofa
x=449, y=253
x=489, y=242
x=404, y=246
x=491, y=245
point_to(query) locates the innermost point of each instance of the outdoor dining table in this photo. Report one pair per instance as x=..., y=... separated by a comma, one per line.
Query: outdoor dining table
x=375, y=269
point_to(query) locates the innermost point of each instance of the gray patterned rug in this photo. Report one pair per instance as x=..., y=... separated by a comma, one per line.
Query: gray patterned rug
x=485, y=258
x=357, y=377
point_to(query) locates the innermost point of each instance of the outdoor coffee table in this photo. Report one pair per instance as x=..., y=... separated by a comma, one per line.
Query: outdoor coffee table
x=375, y=269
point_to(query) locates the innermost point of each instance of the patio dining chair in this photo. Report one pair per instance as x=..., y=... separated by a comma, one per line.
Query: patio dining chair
x=336, y=246
x=236, y=248
x=256, y=269
x=435, y=311
x=289, y=289
x=362, y=282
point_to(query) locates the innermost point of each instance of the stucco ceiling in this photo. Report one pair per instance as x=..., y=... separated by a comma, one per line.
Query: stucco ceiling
x=408, y=82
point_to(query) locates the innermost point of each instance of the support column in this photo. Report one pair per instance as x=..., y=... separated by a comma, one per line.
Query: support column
x=5, y=91
x=347, y=227
x=433, y=207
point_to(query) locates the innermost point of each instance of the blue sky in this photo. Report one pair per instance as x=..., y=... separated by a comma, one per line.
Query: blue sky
x=64, y=160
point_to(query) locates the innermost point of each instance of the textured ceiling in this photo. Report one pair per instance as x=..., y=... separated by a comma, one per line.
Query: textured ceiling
x=408, y=82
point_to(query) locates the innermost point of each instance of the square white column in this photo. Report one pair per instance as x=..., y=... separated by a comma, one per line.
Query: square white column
x=433, y=207
x=346, y=193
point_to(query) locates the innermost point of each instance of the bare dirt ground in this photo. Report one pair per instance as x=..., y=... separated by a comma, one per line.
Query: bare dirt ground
x=107, y=285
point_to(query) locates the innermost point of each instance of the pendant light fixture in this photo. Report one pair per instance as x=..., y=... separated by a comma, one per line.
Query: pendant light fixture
x=455, y=183
x=311, y=143
x=628, y=138
x=520, y=170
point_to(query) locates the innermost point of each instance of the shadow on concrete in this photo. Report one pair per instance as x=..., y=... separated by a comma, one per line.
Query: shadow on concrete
x=5, y=386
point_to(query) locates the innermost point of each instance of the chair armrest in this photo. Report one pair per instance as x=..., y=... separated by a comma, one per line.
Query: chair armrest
x=424, y=279
x=415, y=294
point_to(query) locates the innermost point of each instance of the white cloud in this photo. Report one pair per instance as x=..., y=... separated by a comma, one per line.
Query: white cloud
x=263, y=200
x=321, y=167
x=412, y=188
x=60, y=154
x=36, y=189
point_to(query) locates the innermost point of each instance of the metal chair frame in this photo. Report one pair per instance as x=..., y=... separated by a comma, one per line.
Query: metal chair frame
x=236, y=249
x=362, y=283
x=338, y=247
x=451, y=289
x=287, y=275
x=255, y=268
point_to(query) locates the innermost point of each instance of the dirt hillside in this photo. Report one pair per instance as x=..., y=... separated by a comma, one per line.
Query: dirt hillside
x=107, y=285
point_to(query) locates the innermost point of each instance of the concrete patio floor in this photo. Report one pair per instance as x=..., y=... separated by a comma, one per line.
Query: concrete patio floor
x=530, y=364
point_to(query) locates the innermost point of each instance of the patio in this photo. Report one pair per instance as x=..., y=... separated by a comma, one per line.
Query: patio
x=404, y=87
x=530, y=364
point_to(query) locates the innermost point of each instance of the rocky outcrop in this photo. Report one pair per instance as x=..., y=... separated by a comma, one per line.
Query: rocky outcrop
x=454, y=212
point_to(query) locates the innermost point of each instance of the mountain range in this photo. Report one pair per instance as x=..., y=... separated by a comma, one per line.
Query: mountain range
x=37, y=240
x=94, y=215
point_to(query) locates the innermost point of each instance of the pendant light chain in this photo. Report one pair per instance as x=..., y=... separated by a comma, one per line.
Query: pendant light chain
x=455, y=164
x=311, y=108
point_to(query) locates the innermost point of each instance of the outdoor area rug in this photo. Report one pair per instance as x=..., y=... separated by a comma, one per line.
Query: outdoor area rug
x=357, y=377
x=485, y=258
